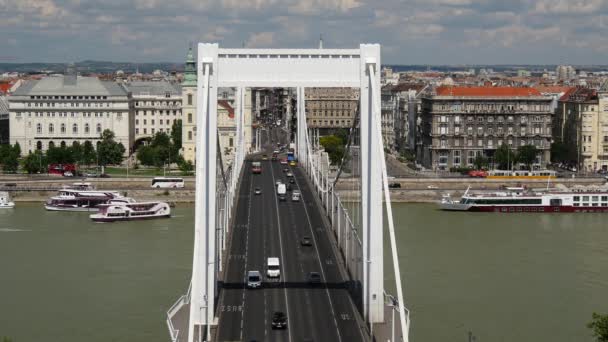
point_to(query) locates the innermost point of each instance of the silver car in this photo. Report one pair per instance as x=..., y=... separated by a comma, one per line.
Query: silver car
x=254, y=279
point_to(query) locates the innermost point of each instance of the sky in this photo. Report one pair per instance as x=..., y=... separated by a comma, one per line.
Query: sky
x=424, y=32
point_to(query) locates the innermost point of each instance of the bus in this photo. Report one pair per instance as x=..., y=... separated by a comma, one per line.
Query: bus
x=290, y=156
x=256, y=167
x=167, y=182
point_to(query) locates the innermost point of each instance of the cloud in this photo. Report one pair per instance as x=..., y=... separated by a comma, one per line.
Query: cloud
x=410, y=31
x=261, y=39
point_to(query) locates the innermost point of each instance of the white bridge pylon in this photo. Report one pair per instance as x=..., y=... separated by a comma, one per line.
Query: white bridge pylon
x=287, y=68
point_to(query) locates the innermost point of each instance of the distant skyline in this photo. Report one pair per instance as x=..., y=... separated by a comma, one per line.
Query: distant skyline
x=411, y=32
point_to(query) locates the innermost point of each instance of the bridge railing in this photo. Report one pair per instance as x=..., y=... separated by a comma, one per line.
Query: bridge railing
x=173, y=310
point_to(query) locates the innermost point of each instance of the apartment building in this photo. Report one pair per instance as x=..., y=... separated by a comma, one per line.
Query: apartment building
x=62, y=110
x=581, y=122
x=461, y=123
x=157, y=106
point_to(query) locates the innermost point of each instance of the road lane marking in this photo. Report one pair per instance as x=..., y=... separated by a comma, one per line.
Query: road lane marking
x=276, y=202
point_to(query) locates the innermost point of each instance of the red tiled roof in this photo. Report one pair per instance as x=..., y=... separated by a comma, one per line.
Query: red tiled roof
x=226, y=105
x=578, y=94
x=487, y=91
x=5, y=87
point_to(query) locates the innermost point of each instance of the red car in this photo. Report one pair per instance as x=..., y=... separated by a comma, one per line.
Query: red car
x=478, y=173
x=284, y=161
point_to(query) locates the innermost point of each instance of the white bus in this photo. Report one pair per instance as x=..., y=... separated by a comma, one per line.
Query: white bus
x=167, y=182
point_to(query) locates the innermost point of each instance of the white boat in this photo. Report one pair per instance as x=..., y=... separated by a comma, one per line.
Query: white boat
x=521, y=200
x=131, y=211
x=5, y=201
x=78, y=200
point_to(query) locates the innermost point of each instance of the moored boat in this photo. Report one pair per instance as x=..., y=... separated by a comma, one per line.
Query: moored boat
x=518, y=200
x=131, y=211
x=5, y=201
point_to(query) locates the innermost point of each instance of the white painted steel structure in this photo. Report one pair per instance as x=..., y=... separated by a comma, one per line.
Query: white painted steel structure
x=288, y=68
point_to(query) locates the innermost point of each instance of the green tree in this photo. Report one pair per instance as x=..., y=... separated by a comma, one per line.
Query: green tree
x=10, y=162
x=599, y=326
x=17, y=149
x=60, y=155
x=186, y=167
x=7, y=339
x=176, y=134
x=562, y=152
x=480, y=162
x=334, y=146
x=76, y=150
x=527, y=155
x=504, y=157
x=109, y=151
x=159, y=152
x=35, y=162
x=89, y=156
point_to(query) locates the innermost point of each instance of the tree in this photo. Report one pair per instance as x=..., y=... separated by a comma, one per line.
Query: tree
x=480, y=162
x=159, y=152
x=527, y=155
x=76, y=151
x=334, y=146
x=176, y=134
x=35, y=162
x=504, y=157
x=186, y=167
x=89, y=156
x=9, y=157
x=562, y=152
x=60, y=155
x=17, y=149
x=599, y=326
x=109, y=151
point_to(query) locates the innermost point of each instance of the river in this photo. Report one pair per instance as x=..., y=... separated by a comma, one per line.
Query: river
x=532, y=277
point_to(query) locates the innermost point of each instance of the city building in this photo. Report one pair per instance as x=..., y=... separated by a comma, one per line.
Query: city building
x=4, y=126
x=389, y=108
x=157, y=106
x=407, y=102
x=461, y=123
x=62, y=110
x=331, y=108
x=581, y=123
x=565, y=73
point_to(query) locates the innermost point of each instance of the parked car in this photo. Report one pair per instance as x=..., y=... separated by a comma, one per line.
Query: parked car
x=394, y=186
x=478, y=173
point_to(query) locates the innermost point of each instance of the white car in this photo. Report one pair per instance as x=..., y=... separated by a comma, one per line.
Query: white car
x=295, y=196
x=274, y=268
x=254, y=279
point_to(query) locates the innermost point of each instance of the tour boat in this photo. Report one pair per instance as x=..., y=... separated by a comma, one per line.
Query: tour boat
x=78, y=200
x=519, y=199
x=5, y=201
x=131, y=211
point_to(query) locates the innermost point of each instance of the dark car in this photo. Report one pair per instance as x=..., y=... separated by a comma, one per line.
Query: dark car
x=394, y=186
x=292, y=181
x=286, y=170
x=306, y=241
x=279, y=320
x=314, y=278
x=289, y=187
x=104, y=175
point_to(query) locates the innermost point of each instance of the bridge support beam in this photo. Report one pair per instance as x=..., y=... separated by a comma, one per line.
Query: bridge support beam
x=371, y=189
x=204, y=266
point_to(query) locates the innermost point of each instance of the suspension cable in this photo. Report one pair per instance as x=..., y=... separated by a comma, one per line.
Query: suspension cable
x=348, y=143
x=219, y=153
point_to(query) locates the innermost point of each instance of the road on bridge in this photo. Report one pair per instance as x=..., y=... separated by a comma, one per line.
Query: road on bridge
x=266, y=227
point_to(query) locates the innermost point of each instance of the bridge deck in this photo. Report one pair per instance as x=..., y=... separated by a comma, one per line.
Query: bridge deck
x=265, y=227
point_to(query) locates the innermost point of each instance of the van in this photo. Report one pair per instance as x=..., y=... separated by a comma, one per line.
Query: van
x=274, y=268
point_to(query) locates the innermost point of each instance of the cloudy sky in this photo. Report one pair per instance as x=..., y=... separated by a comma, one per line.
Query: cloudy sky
x=410, y=31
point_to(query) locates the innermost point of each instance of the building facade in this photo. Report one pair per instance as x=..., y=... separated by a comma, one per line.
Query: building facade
x=581, y=123
x=157, y=106
x=331, y=108
x=461, y=123
x=62, y=110
x=4, y=126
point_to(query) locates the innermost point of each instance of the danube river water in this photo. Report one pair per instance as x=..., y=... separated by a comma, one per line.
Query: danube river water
x=533, y=277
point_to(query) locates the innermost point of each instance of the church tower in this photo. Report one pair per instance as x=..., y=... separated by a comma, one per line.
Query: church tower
x=189, y=108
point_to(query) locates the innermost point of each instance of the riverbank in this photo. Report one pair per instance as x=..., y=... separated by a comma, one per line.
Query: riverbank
x=412, y=190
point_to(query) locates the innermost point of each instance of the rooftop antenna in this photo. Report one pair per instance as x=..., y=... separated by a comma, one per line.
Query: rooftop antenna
x=321, y=41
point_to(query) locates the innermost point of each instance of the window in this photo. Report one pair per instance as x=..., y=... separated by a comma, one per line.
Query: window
x=189, y=117
x=62, y=128
x=51, y=128
x=86, y=128
x=189, y=135
x=137, y=131
x=456, y=158
x=39, y=129
x=98, y=128
x=74, y=128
